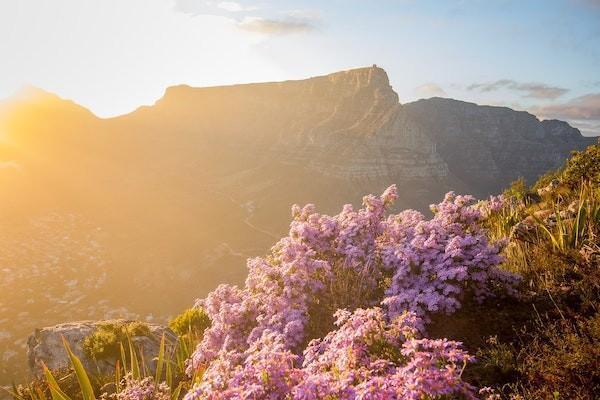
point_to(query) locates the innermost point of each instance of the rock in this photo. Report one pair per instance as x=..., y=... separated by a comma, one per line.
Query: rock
x=46, y=346
x=573, y=207
x=549, y=188
x=531, y=198
x=542, y=214
x=524, y=231
x=591, y=254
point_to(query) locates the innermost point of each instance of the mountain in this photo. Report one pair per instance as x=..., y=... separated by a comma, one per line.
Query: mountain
x=142, y=213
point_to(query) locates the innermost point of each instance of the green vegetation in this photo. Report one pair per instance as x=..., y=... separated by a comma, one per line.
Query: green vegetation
x=192, y=321
x=583, y=166
x=106, y=342
x=132, y=374
x=517, y=189
x=547, y=345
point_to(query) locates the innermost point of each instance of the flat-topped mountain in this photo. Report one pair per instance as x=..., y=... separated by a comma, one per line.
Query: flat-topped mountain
x=122, y=217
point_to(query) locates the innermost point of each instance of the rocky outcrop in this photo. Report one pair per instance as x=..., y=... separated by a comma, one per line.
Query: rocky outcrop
x=488, y=147
x=46, y=346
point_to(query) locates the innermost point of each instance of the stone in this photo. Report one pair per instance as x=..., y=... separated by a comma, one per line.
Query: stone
x=46, y=346
x=549, y=188
x=524, y=231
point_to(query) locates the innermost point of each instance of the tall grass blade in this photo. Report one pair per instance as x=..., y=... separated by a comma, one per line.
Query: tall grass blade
x=169, y=375
x=176, y=391
x=40, y=393
x=160, y=360
x=135, y=365
x=84, y=381
x=55, y=391
x=118, y=376
x=123, y=358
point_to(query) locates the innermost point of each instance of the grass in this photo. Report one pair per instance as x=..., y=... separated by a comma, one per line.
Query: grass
x=552, y=350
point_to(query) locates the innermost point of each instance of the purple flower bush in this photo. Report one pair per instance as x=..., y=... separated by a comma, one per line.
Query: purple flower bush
x=367, y=357
x=394, y=271
x=142, y=389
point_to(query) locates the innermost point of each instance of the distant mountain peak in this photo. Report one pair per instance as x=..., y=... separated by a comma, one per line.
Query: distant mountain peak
x=364, y=79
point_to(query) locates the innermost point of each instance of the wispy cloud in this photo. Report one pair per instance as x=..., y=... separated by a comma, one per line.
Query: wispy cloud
x=581, y=108
x=212, y=7
x=430, y=90
x=233, y=6
x=253, y=18
x=276, y=26
x=583, y=112
x=527, y=89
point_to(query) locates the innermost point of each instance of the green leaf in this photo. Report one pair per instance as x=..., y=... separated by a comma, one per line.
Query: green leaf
x=55, y=391
x=123, y=358
x=169, y=373
x=135, y=365
x=175, y=393
x=160, y=360
x=118, y=376
x=84, y=381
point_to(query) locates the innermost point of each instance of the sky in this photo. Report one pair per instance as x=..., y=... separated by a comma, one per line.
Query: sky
x=113, y=56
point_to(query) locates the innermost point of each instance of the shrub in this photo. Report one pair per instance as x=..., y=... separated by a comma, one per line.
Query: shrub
x=553, y=353
x=583, y=166
x=192, y=321
x=564, y=357
x=517, y=189
x=356, y=259
x=367, y=357
x=142, y=389
x=544, y=180
x=105, y=342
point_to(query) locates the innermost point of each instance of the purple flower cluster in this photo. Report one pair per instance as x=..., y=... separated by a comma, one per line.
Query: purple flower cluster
x=438, y=262
x=144, y=389
x=493, y=205
x=367, y=357
x=257, y=344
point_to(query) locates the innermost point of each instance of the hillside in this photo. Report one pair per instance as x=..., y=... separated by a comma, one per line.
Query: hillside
x=376, y=305
x=174, y=197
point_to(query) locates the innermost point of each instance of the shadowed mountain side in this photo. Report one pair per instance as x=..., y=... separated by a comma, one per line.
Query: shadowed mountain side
x=155, y=208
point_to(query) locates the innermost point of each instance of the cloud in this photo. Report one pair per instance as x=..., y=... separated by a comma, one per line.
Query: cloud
x=212, y=7
x=430, y=90
x=251, y=18
x=233, y=6
x=585, y=107
x=276, y=26
x=583, y=112
x=588, y=128
x=528, y=89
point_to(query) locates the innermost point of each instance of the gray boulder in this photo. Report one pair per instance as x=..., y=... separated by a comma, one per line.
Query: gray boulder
x=46, y=346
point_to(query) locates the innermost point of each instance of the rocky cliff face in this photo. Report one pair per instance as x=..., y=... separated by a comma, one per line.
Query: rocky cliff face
x=174, y=197
x=345, y=125
x=491, y=146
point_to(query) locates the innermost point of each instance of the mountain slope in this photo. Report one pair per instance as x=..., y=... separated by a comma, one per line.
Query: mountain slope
x=174, y=197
